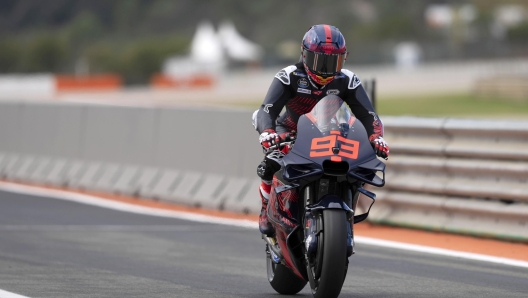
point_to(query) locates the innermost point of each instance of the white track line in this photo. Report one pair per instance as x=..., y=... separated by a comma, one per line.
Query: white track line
x=120, y=206
x=440, y=251
x=6, y=294
x=125, y=207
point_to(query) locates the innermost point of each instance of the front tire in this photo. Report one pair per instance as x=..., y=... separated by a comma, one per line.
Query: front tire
x=282, y=279
x=333, y=259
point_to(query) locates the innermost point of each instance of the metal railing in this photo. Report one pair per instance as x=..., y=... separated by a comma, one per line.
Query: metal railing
x=464, y=176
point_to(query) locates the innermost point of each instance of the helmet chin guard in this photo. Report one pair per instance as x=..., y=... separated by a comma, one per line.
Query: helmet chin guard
x=320, y=80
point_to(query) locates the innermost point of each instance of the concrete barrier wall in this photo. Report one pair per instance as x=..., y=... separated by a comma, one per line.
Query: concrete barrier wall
x=193, y=156
x=466, y=176
x=187, y=139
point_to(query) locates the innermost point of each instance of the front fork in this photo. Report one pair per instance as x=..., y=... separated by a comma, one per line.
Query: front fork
x=313, y=223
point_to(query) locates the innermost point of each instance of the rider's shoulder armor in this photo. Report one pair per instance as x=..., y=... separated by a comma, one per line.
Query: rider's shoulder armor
x=284, y=74
x=353, y=80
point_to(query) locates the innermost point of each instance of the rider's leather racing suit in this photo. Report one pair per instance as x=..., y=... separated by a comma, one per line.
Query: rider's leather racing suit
x=292, y=88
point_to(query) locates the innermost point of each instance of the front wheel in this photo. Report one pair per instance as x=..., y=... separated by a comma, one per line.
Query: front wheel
x=282, y=279
x=328, y=273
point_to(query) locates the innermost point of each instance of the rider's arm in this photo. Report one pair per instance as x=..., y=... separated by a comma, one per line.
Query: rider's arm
x=278, y=95
x=362, y=108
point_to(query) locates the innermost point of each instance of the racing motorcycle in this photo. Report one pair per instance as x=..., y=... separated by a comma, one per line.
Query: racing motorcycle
x=314, y=198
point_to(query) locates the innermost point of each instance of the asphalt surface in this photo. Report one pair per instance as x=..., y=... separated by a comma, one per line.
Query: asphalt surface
x=54, y=248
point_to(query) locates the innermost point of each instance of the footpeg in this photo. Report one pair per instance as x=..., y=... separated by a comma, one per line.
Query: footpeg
x=274, y=249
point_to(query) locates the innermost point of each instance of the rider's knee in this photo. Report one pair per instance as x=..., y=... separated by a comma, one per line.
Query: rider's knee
x=264, y=171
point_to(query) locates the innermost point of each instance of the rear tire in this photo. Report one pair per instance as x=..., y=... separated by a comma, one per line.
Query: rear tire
x=334, y=257
x=282, y=279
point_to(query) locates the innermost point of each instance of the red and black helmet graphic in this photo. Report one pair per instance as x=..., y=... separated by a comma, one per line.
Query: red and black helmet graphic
x=323, y=52
x=325, y=39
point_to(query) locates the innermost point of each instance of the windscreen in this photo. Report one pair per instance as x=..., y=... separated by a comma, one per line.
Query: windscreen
x=331, y=115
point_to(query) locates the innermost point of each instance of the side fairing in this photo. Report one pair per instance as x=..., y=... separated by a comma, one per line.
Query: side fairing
x=283, y=206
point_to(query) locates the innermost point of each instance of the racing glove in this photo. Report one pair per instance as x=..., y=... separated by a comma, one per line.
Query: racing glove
x=380, y=147
x=270, y=138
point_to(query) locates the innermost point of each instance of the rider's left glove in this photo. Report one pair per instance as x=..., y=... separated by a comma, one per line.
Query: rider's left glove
x=380, y=147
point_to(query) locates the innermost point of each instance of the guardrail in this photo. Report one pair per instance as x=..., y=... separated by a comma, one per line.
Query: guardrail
x=464, y=176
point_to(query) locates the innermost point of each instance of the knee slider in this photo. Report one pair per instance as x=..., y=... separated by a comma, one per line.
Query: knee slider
x=264, y=172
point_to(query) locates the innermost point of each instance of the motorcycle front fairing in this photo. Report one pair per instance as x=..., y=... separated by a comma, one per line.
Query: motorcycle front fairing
x=331, y=141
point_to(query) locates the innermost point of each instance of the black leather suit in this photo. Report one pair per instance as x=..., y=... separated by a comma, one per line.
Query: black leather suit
x=292, y=88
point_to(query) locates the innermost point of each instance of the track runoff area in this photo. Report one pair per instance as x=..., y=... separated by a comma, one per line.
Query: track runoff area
x=161, y=210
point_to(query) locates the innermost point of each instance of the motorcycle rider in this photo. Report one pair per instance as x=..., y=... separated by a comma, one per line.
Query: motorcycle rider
x=298, y=88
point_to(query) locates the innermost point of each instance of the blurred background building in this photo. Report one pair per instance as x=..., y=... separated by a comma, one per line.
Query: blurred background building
x=446, y=46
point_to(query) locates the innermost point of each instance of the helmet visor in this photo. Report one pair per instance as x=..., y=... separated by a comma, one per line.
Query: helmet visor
x=324, y=64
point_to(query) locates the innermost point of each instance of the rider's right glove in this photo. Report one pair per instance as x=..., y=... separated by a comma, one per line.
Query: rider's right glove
x=269, y=138
x=380, y=147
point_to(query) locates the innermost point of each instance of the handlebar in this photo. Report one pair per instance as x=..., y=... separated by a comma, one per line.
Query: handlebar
x=280, y=145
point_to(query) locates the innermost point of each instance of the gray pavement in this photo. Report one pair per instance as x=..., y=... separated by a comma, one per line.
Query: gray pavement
x=54, y=248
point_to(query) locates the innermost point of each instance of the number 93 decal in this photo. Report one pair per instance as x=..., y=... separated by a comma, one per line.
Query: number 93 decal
x=329, y=146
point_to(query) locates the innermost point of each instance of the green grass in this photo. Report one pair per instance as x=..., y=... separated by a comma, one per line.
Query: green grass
x=454, y=105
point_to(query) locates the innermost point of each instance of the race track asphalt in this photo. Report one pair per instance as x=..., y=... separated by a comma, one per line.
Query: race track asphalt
x=55, y=248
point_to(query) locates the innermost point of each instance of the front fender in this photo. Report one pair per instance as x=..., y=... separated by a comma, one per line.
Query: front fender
x=331, y=202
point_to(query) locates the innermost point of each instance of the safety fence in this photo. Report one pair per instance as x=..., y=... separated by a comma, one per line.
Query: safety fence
x=49, y=85
x=464, y=176
x=507, y=87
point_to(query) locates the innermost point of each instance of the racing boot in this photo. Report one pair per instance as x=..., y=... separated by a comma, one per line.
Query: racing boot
x=264, y=224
